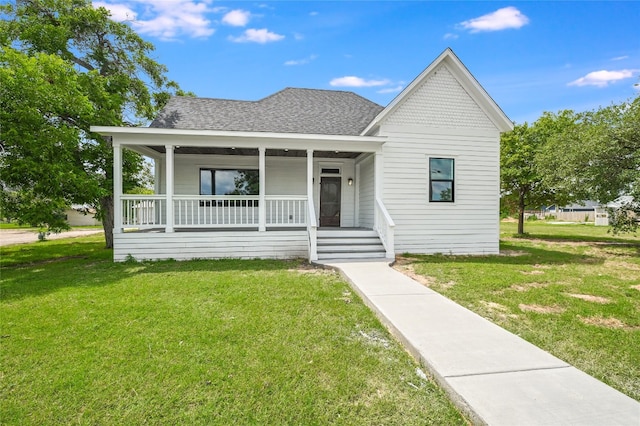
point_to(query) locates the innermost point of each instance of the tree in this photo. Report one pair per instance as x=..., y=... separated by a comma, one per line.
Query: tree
x=521, y=180
x=39, y=104
x=599, y=159
x=90, y=70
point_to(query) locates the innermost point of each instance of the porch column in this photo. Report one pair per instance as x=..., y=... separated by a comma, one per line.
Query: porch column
x=357, y=197
x=312, y=225
x=169, y=184
x=117, y=187
x=262, y=206
x=310, y=179
x=378, y=170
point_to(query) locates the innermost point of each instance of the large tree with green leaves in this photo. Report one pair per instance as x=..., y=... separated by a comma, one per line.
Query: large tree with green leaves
x=599, y=159
x=521, y=179
x=66, y=66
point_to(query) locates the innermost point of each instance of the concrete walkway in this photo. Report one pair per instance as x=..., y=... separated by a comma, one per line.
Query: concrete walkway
x=492, y=375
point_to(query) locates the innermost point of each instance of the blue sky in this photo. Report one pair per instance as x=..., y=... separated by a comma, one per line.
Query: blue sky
x=530, y=56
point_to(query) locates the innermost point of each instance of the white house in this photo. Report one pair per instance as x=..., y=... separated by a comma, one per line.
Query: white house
x=318, y=174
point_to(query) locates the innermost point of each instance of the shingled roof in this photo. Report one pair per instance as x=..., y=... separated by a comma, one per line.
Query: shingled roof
x=310, y=111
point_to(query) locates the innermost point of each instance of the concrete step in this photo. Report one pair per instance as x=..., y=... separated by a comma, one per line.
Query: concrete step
x=348, y=241
x=349, y=244
x=346, y=233
x=369, y=248
x=341, y=256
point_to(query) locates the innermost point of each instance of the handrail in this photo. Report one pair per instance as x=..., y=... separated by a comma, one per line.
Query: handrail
x=387, y=216
x=312, y=230
x=386, y=232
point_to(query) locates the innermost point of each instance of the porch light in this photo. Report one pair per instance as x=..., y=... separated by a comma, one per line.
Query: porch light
x=350, y=181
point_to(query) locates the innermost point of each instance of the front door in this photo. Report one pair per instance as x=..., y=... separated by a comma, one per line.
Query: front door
x=330, y=201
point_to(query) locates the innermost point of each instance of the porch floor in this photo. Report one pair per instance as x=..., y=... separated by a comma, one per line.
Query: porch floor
x=244, y=229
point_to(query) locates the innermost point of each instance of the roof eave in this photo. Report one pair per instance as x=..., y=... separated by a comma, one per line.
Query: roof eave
x=144, y=136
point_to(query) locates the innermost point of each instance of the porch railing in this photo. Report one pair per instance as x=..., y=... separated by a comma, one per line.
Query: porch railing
x=143, y=211
x=286, y=210
x=385, y=227
x=194, y=211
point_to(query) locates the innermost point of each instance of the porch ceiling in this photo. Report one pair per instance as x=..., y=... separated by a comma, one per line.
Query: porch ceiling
x=254, y=151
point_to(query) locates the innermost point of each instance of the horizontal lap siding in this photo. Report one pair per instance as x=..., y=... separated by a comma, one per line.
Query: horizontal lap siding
x=284, y=176
x=211, y=245
x=468, y=226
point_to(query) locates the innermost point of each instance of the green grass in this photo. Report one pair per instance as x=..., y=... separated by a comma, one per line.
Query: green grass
x=15, y=225
x=87, y=341
x=573, y=290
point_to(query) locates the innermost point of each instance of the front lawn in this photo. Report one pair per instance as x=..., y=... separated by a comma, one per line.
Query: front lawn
x=87, y=341
x=573, y=290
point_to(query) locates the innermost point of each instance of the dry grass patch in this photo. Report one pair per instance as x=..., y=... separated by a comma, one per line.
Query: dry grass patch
x=540, y=309
x=528, y=286
x=512, y=253
x=405, y=265
x=610, y=322
x=590, y=298
x=498, y=310
x=534, y=272
x=637, y=287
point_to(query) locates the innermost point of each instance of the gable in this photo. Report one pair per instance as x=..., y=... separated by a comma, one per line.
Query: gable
x=444, y=95
x=440, y=101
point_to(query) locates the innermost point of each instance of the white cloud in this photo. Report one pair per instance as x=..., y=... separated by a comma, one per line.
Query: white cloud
x=501, y=19
x=166, y=20
x=396, y=89
x=602, y=78
x=620, y=58
x=237, y=18
x=261, y=36
x=450, y=36
x=301, y=61
x=119, y=12
x=353, y=81
x=314, y=13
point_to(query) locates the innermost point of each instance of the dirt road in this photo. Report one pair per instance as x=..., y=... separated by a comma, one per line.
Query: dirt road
x=18, y=236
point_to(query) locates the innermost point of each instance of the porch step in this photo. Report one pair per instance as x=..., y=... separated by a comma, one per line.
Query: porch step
x=349, y=244
x=346, y=233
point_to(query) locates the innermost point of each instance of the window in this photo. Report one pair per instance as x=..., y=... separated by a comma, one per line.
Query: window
x=441, y=180
x=228, y=182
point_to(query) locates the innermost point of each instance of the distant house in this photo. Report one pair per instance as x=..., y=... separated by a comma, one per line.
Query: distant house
x=318, y=174
x=578, y=212
x=81, y=215
x=602, y=211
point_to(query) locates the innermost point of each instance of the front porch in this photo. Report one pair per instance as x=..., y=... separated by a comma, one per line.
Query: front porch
x=263, y=196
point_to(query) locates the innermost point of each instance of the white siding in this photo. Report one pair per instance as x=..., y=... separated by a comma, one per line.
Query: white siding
x=467, y=226
x=210, y=245
x=366, y=192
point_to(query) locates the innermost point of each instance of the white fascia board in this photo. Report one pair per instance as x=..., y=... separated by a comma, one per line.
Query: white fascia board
x=142, y=136
x=464, y=77
x=146, y=151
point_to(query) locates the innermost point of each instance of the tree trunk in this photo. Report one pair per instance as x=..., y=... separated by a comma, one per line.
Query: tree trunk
x=106, y=204
x=521, y=206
